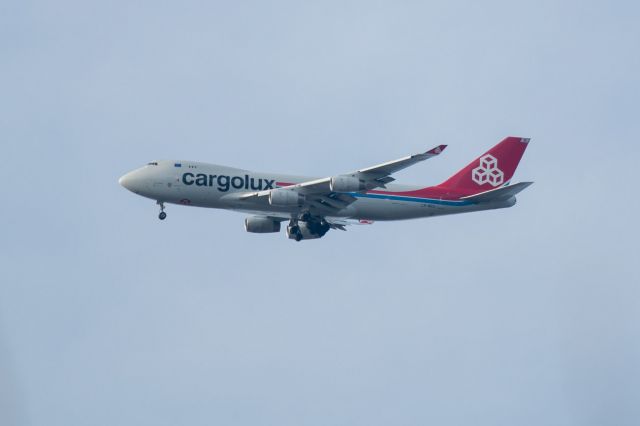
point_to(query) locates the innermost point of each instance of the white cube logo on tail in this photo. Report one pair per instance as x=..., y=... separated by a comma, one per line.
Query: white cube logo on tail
x=488, y=171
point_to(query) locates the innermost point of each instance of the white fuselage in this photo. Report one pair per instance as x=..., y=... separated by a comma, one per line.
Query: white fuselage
x=214, y=186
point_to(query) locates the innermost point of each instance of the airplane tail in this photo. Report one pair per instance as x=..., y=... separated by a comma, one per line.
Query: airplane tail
x=493, y=169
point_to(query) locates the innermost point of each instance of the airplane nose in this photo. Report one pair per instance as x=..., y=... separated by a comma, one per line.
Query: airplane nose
x=131, y=182
x=136, y=181
x=125, y=181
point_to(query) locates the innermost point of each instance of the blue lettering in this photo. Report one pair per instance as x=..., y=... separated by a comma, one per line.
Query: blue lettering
x=184, y=178
x=268, y=183
x=201, y=180
x=223, y=183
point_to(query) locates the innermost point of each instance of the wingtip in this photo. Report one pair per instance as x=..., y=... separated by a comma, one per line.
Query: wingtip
x=437, y=150
x=524, y=185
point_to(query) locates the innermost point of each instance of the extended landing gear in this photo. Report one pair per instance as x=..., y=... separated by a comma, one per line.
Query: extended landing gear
x=162, y=215
x=307, y=228
x=293, y=230
x=298, y=235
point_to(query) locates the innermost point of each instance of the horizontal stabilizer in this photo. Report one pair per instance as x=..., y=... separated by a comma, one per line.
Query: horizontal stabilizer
x=499, y=194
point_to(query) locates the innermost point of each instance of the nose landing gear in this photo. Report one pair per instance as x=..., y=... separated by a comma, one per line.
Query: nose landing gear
x=162, y=215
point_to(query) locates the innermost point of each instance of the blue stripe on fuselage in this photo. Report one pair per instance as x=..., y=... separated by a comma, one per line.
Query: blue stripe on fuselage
x=412, y=199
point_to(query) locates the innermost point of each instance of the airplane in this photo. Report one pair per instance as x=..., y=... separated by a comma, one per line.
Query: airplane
x=313, y=206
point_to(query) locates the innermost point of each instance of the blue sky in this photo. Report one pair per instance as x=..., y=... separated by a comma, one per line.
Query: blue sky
x=521, y=316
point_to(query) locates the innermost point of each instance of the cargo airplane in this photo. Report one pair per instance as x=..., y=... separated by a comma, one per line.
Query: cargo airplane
x=313, y=206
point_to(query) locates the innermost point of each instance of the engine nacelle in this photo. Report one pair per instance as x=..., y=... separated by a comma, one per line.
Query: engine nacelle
x=261, y=225
x=285, y=197
x=307, y=230
x=346, y=184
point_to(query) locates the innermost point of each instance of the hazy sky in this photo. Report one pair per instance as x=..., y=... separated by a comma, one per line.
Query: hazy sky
x=523, y=316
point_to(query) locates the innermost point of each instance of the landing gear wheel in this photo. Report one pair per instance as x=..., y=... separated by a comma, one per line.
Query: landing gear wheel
x=162, y=215
x=298, y=237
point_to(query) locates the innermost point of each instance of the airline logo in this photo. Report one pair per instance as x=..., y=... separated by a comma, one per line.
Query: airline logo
x=488, y=172
x=224, y=182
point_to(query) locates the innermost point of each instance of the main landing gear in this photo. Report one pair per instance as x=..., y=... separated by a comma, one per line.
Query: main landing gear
x=162, y=215
x=293, y=230
x=307, y=227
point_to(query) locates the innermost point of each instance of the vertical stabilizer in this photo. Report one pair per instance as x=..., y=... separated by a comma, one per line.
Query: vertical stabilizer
x=491, y=170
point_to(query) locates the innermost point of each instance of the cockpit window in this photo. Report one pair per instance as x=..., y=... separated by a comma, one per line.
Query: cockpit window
x=153, y=163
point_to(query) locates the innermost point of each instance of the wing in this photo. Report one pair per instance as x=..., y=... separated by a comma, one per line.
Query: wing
x=390, y=167
x=498, y=194
x=332, y=193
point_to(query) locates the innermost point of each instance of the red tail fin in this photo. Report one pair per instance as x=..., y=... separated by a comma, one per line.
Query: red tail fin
x=491, y=170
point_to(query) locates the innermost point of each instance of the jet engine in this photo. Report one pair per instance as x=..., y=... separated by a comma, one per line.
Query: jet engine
x=307, y=230
x=284, y=197
x=346, y=184
x=261, y=225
